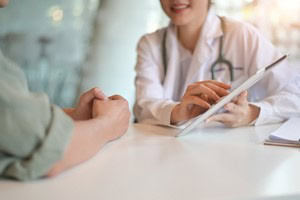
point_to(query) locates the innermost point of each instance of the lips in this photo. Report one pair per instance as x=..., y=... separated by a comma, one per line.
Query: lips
x=178, y=8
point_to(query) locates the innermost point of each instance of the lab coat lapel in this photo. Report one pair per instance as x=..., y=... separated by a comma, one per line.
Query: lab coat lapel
x=170, y=83
x=203, y=54
x=199, y=60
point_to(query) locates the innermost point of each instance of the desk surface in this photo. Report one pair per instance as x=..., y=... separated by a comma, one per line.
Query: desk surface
x=149, y=164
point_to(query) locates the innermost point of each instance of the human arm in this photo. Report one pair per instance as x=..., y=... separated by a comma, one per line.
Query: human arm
x=153, y=105
x=110, y=121
x=238, y=113
x=273, y=109
x=38, y=138
x=197, y=99
x=273, y=99
x=154, y=102
x=86, y=140
x=277, y=95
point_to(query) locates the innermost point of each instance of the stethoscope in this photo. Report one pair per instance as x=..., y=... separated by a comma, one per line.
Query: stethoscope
x=220, y=60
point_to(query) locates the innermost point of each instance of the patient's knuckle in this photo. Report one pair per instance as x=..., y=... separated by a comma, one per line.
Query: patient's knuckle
x=126, y=102
x=94, y=89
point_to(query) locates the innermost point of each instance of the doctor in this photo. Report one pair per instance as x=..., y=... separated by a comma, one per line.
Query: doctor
x=175, y=70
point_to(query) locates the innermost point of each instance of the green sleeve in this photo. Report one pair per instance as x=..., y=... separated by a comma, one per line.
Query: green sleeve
x=33, y=133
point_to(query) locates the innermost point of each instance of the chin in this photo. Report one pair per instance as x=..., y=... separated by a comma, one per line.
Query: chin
x=180, y=22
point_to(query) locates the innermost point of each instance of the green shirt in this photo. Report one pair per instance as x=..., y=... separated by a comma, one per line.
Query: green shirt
x=33, y=133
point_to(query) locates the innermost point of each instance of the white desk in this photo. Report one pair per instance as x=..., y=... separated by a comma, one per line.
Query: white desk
x=147, y=164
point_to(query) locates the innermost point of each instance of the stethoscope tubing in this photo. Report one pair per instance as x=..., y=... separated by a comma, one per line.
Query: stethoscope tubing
x=219, y=60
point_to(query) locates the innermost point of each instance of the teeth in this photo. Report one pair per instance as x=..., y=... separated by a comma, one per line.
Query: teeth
x=180, y=7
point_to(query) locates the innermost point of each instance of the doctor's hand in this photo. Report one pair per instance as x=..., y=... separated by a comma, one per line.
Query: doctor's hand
x=239, y=113
x=83, y=110
x=114, y=114
x=197, y=99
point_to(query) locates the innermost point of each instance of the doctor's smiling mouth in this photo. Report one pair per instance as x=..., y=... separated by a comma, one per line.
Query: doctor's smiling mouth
x=180, y=7
x=183, y=12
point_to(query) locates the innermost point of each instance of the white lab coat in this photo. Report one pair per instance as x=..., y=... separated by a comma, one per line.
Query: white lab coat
x=277, y=94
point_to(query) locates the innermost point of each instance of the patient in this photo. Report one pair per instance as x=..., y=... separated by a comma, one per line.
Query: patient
x=38, y=139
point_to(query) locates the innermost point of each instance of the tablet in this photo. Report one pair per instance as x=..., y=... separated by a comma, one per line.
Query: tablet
x=215, y=108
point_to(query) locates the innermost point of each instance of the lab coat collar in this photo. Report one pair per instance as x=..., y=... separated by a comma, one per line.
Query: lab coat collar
x=173, y=61
x=212, y=27
x=203, y=52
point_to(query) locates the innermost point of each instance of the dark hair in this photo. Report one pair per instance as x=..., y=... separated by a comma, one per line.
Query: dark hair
x=209, y=4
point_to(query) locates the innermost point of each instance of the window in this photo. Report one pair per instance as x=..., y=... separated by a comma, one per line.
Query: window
x=49, y=40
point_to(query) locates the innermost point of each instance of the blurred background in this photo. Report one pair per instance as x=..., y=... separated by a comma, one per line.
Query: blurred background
x=66, y=47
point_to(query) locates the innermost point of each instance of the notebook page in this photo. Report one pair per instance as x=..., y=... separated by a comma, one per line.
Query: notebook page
x=289, y=131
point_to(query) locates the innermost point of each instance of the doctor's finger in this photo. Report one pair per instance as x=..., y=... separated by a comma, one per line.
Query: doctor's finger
x=225, y=118
x=220, y=84
x=237, y=98
x=202, y=89
x=207, y=99
x=242, y=99
x=204, y=97
x=233, y=108
x=192, y=86
x=196, y=101
x=219, y=90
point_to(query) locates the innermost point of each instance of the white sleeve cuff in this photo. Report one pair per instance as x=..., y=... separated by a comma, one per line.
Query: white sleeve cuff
x=159, y=113
x=265, y=115
x=166, y=119
x=166, y=111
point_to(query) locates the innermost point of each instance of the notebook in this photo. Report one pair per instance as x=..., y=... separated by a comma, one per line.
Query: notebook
x=287, y=135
